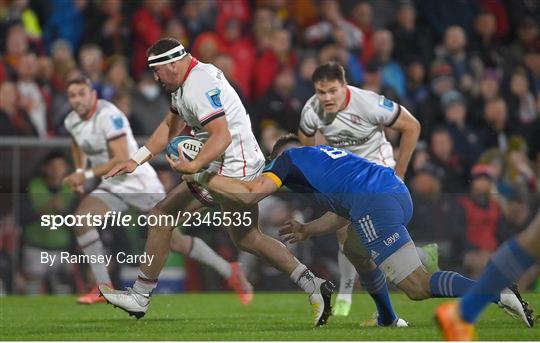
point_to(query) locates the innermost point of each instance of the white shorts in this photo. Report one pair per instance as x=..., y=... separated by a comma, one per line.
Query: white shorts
x=120, y=202
x=401, y=264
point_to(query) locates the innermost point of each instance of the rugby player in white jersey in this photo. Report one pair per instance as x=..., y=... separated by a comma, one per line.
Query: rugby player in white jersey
x=203, y=99
x=101, y=134
x=354, y=119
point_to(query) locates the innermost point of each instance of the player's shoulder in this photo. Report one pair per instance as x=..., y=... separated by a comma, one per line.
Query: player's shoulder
x=362, y=95
x=71, y=120
x=106, y=110
x=312, y=107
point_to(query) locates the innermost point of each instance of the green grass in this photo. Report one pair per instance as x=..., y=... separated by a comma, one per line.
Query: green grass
x=271, y=316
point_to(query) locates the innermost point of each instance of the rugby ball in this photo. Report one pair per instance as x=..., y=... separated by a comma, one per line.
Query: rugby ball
x=190, y=147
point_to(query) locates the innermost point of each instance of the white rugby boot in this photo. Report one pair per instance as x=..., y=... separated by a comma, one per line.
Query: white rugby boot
x=513, y=304
x=320, y=301
x=133, y=303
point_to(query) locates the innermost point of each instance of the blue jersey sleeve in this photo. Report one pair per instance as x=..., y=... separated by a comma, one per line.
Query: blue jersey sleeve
x=279, y=169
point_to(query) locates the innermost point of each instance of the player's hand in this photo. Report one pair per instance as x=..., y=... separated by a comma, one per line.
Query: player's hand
x=293, y=231
x=182, y=165
x=74, y=181
x=122, y=168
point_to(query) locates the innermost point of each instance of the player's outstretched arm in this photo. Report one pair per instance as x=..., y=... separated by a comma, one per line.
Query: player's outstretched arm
x=75, y=180
x=170, y=127
x=245, y=192
x=410, y=131
x=294, y=231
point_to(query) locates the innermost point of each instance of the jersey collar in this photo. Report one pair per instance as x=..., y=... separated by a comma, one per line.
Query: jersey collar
x=192, y=65
x=347, y=98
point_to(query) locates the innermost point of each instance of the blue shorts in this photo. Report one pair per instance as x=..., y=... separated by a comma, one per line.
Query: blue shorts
x=381, y=223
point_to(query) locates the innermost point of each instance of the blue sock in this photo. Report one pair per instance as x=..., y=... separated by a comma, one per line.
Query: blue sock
x=505, y=267
x=374, y=282
x=446, y=284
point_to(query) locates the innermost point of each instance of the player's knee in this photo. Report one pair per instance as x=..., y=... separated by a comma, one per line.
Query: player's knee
x=418, y=294
x=246, y=243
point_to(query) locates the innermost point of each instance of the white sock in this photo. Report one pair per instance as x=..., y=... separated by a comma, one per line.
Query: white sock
x=90, y=244
x=422, y=254
x=201, y=252
x=143, y=285
x=347, y=274
x=305, y=279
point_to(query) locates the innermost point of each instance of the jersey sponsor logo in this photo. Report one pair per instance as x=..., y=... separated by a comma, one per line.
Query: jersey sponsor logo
x=386, y=103
x=347, y=138
x=355, y=119
x=213, y=97
x=117, y=122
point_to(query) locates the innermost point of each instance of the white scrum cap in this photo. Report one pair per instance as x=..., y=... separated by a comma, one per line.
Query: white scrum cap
x=169, y=56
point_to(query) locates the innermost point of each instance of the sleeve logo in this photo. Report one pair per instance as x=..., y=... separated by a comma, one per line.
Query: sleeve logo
x=117, y=122
x=213, y=98
x=386, y=103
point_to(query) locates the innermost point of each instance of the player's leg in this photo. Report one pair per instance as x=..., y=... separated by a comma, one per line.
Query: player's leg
x=373, y=281
x=247, y=236
x=89, y=241
x=135, y=301
x=347, y=276
x=510, y=261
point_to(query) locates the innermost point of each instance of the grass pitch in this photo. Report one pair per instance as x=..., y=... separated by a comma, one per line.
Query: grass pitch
x=271, y=316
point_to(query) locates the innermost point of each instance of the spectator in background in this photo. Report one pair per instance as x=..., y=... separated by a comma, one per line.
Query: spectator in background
x=321, y=33
x=416, y=91
x=91, y=62
x=199, y=16
x=304, y=86
x=527, y=35
x=336, y=53
x=63, y=62
x=20, y=11
x=392, y=74
x=453, y=51
x=106, y=25
x=411, y=42
x=123, y=101
x=532, y=63
x=279, y=56
x=498, y=165
x=373, y=81
x=176, y=29
x=464, y=139
x=66, y=21
x=34, y=99
x=279, y=104
x=117, y=79
x=522, y=102
x=47, y=195
x=495, y=132
x=16, y=48
x=239, y=46
x=270, y=133
x=520, y=170
x=445, y=162
x=147, y=99
x=488, y=89
x=484, y=43
x=483, y=219
x=206, y=47
x=147, y=25
x=14, y=120
x=362, y=17
x=264, y=23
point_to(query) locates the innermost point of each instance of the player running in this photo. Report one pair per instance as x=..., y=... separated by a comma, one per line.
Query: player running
x=373, y=199
x=101, y=134
x=354, y=119
x=203, y=99
x=507, y=265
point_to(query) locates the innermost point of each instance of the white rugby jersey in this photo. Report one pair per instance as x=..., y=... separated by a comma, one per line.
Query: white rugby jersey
x=92, y=135
x=357, y=128
x=206, y=95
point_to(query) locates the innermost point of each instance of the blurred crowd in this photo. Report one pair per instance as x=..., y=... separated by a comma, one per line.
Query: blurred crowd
x=468, y=70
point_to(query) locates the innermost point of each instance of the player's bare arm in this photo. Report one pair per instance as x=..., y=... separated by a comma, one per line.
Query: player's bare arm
x=410, y=131
x=218, y=141
x=305, y=139
x=171, y=126
x=79, y=160
x=294, y=231
x=245, y=192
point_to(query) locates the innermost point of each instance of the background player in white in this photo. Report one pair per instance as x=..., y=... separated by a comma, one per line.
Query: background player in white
x=101, y=134
x=354, y=119
x=203, y=99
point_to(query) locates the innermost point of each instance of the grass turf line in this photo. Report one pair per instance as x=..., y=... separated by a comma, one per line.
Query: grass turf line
x=217, y=316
